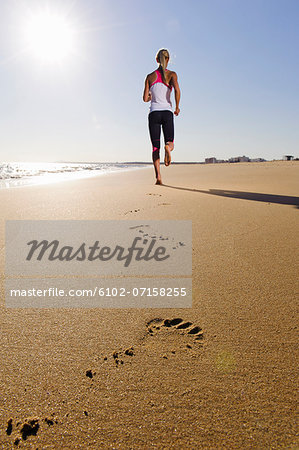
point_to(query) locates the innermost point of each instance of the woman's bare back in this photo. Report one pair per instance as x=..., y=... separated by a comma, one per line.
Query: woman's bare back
x=169, y=76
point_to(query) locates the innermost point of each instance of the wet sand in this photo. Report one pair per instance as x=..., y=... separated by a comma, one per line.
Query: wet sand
x=133, y=379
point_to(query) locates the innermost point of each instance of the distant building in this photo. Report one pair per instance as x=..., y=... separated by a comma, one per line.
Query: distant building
x=210, y=160
x=234, y=159
x=239, y=159
x=288, y=157
x=244, y=158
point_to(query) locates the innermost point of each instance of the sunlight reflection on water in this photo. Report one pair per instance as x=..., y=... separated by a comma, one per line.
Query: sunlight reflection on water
x=24, y=174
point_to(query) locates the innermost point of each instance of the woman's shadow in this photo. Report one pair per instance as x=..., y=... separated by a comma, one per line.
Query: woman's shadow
x=255, y=196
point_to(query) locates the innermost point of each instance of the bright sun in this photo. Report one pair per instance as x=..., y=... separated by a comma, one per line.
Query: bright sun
x=49, y=37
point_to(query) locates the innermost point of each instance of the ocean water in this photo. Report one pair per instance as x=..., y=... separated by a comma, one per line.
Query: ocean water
x=21, y=174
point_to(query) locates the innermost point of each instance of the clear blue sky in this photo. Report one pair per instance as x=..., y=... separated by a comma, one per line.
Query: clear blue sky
x=236, y=60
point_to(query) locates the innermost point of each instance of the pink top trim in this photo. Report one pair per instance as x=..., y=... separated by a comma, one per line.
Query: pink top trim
x=159, y=79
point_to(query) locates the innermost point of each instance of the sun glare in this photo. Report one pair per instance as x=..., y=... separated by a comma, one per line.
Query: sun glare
x=49, y=37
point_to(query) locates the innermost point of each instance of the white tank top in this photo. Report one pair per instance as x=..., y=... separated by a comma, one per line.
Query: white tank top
x=160, y=93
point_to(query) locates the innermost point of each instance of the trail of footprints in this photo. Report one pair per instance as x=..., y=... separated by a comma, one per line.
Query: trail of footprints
x=154, y=327
x=132, y=211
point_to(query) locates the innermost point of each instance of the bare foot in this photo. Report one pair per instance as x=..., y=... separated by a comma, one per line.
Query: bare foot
x=168, y=149
x=159, y=182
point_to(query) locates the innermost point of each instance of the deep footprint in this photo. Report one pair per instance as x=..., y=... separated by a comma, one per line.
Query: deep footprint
x=154, y=327
x=157, y=324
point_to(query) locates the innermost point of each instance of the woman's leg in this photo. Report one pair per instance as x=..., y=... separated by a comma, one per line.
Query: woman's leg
x=168, y=131
x=154, y=122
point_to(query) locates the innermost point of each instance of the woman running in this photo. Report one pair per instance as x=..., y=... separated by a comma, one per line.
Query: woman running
x=157, y=90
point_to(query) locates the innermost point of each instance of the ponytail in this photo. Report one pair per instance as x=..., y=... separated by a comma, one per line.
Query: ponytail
x=162, y=58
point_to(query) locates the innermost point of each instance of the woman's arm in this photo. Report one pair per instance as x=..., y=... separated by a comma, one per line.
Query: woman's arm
x=177, y=92
x=146, y=92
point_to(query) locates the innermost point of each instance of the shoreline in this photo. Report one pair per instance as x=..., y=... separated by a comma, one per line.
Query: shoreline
x=38, y=180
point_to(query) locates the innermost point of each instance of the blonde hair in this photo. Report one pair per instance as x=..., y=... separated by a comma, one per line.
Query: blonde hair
x=161, y=57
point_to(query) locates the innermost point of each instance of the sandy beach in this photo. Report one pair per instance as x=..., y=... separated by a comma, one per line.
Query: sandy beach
x=63, y=385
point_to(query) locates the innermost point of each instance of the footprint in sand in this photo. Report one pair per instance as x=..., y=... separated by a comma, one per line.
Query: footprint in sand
x=158, y=325
x=28, y=427
x=171, y=329
x=172, y=337
x=132, y=211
